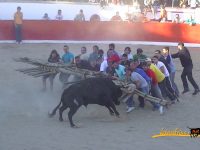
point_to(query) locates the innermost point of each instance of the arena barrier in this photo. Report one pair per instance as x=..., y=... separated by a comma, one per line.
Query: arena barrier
x=101, y=31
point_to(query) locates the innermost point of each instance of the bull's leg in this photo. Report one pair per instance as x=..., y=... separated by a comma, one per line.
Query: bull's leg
x=114, y=108
x=61, y=109
x=71, y=113
x=110, y=110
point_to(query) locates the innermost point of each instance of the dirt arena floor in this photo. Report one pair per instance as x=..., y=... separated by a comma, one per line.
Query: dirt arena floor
x=24, y=124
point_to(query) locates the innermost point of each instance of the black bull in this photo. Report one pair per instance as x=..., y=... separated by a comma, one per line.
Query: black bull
x=101, y=91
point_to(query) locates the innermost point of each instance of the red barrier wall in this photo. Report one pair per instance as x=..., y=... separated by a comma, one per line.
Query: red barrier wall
x=102, y=31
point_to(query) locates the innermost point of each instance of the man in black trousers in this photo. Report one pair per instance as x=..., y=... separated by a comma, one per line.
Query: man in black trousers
x=186, y=61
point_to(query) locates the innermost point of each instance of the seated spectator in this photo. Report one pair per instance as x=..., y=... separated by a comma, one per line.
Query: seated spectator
x=190, y=21
x=177, y=19
x=53, y=58
x=68, y=57
x=140, y=17
x=45, y=17
x=84, y=55
x=116, y=17
x=59, y=16
x=80, y=16
x=163, y=14
x=95, y=17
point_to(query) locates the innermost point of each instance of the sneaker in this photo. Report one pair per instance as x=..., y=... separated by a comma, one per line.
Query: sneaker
x=196, y=91
x=130, y=109
x=161, y=110
x=185, y=91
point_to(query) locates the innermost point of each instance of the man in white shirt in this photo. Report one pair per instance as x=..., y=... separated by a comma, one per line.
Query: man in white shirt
x=170, y=91
x=59, y=16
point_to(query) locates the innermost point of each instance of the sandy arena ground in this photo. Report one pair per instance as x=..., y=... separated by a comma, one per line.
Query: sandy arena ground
x=24, y=124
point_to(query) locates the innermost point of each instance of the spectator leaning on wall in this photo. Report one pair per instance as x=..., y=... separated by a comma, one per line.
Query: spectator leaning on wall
x=80, y=16
x=18, y=19
x=59, y=16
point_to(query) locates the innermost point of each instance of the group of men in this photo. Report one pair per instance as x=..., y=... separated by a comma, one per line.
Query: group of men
x=153, y=75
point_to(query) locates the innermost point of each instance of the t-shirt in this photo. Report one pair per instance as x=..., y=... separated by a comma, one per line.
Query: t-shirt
x=59, y=17
x=152, y=75
x=137, y=77
x=18, y=18
x=141, y=57
x=143, y=74
x=68, y=57
x=120, y=71
x=93, y=57
x=161, y=64
x=104, y=66
x=159, y=75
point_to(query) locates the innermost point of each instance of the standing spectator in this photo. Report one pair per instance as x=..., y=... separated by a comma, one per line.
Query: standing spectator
x=53, y=58
x=184, y=55
x=177, y=19
x=68, y=57
x=116, y=17
x=45, y=17
x=164, y=70
x=18, y=20
x=80, y=16
x=59, y=16
x=154, y=7
x=163, y=14
x=170, y=63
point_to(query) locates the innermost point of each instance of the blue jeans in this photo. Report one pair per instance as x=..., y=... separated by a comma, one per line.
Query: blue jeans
x=130, y=102
x=141, y=99
x=18, y=32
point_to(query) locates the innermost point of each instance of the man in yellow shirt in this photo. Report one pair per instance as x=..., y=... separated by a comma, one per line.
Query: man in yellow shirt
x=18, y=20
x=161, y=80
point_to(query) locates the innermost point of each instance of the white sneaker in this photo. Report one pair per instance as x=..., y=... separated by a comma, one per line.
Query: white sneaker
x=161, y=110
x=130, y=109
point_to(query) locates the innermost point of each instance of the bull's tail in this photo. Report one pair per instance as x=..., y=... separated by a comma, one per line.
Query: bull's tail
x=54, y=111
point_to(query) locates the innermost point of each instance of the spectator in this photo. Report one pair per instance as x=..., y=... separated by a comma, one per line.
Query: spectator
x=59, y=16
x=190, y=21
x=18, y=20
x=127, y=51
x=177, y=19
x=163, y=14
x=116, y=17
x=168, y=58
x=45, y=17
x=53, y=58
x=68, y=57
x=93, y=57
x=154, y=7
x=139, y=56
x=186, y=61
x=80, y=16
x=95, y=17
x=84, y=55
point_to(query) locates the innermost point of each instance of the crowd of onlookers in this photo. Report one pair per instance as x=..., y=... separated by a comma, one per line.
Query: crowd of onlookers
x=153, y=75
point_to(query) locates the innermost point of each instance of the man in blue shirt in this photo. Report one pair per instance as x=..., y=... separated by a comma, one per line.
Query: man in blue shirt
x=68, y=57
